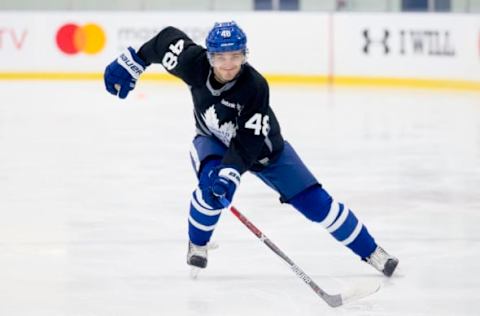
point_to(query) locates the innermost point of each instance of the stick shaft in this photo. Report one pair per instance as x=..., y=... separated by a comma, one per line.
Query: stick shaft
x=332, y=300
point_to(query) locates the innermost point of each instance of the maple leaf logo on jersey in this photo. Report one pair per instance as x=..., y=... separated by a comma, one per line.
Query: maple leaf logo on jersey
x=225, y=132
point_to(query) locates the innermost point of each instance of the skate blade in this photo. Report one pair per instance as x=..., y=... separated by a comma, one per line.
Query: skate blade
x=194, y=272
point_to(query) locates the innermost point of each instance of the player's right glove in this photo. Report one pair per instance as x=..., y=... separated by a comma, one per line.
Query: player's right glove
x=122, y=74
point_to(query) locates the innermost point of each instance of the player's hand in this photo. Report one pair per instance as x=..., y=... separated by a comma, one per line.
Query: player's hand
x=122, y=74
x=225, y=181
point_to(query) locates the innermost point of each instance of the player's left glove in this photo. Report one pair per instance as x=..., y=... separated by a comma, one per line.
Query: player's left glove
x=122, y=74
x=225, y=181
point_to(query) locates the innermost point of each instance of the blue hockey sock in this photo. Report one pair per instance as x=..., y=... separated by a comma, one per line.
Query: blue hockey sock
x=318, y=206
x=203, y=215
x=202, y=219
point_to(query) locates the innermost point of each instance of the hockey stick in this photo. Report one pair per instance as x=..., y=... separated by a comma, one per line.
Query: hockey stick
x=334, y=300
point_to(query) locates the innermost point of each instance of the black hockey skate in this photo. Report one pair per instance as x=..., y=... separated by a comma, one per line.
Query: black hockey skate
x=197, y=256
x=382, y=261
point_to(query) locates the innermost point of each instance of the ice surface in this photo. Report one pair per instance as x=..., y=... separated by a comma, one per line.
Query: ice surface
x=94, y=195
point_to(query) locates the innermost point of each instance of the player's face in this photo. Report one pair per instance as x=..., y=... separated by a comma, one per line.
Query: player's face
x=227, y=65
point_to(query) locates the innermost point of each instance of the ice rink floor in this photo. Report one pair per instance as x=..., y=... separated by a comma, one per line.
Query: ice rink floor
x=94, y=195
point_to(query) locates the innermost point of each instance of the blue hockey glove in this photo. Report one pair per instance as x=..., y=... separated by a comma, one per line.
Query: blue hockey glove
x=225, y=181
x=122, y=74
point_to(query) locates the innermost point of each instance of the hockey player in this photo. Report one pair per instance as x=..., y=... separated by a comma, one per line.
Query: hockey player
x=237, y=131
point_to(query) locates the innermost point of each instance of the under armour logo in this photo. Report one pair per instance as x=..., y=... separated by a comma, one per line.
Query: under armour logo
x=383, y=41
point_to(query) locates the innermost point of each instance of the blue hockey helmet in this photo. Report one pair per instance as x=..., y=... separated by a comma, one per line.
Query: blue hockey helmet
x=226, y=37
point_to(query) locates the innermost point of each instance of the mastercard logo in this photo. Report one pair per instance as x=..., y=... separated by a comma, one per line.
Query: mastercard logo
x=73, y=39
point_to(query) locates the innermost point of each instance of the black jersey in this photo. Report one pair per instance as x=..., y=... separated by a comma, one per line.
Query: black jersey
x=237, y=113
